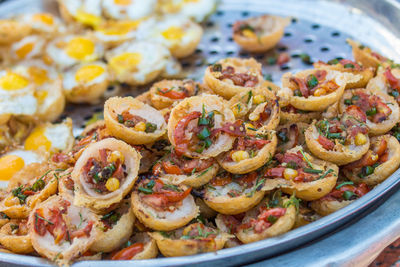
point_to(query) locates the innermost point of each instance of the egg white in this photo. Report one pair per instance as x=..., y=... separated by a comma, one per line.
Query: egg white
x=62, y=59
x=69, y=78
x=154, y=56
x=92, y=7
x=36, y=51
x=197, y=10
x=39, y=26
x=135, y=10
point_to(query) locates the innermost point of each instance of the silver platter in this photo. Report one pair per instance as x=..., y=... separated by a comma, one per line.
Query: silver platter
x=319, y=28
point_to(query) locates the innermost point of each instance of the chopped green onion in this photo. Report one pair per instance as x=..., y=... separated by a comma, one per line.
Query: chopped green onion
x=120, y=118
x=216, y=67
x=333, y=61
x=348, y=66
x=347, y=195
x=204, y=133
x=371, y=112
x=145, y=190
x=307, y=170
x=348, y=102
x=297, y=92
x=306, y=59
x=325, y=174
x=312, y=81
x=150, y=127
x=344, y=183
x=306, y=159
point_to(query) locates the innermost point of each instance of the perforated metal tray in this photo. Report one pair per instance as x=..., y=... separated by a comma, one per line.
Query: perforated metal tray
x=319, y=28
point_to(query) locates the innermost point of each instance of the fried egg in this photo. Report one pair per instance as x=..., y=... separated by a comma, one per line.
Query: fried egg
x=128, y=9
x=16, y=95
x=87, y=12
x=48, y=91
x=13, y=161
x=86, y=82
x=43, y=22
x=50, y=138
x=29, y=47
x=197, y=10
x=137, y=62
x=179, y=34
x=70, y=50
x=114, y=32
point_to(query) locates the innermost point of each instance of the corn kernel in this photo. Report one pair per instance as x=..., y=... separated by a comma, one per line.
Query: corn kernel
x=248, y=33
x=290, y=174
x=236, y=110
x=375, y=157
x=114, y=156
x=320, y=92
x=360, y=139
x=254, y=117
x=140, y=127
x=240, y=155
x=112, y=184
x=258, y=99
x=250, y=128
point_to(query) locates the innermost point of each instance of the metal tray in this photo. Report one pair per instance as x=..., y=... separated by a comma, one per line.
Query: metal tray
x=319, y=28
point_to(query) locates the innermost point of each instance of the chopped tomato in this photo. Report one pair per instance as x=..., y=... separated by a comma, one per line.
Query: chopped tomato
x=82, y=232
x=381, y=147
x=321, y=74
x=326, y=143
x=291, y=157
x=181, y=143
x=58, y=228
x=275, y=172
x=171, y=168
x=172, y=93
x=247, y=179
x=356, y=112
x=384, y=157
x=40, y=223
x=359, y=190
x=368, y=159
x=234, y=129
x=393, y=81
x=174, y=196
x=129, y=252
x=348, y=61
x=276, y=212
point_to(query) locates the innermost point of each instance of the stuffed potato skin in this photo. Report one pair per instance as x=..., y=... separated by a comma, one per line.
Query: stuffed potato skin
x=259, y=34
x=231, y=76
x=208, y=113
x=14, y=236
x=381, y=160
x=315, y=90
x=381, y=110
x=300, y=173
x=142, y=246
x=133, y=121
x=163, y=206
x=190, y=240
x=90, y=191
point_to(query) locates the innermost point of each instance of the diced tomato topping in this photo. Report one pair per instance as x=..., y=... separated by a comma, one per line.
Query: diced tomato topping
x=356, y=112
x=82, y=232
x=179, y=134
x=171, y=168
x=172, y=94
x=291, y=157
x=326, y=143
x=301, y=83
x=129, y=252
x=393, y=81
x=368, y=159
x=234, y=129
x=380, y=148
x=221, y=180
x=359, y=190
x=40, y=224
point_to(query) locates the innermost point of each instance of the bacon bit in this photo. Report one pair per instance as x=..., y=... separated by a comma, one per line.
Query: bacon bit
x=233, y=222
x=247, y=179
x=359, y=190
x=276, y=212
x=69, y=183
x=368, y=159
x=258, y=143
x=291, y=157
x=60, y=158
x=393, y=81
x=380, y=148
x=170, y=93
x=384, y=157
x=302, y=86
x=103, y=156
x=356, y=112
x=59, y=228
x=275, y=172
x=129, y=252
x=198, y=164
x=119, y=172
x=326, y=143
x=236, y=129
x=221, y=181
x=283, y=58
x=171, y=168
x=82, y=232
x=179, y=134
x=320, y=74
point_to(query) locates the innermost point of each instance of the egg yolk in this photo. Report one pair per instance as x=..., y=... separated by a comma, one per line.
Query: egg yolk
x=87, y=19
x=79, y=48
x=12, y=81
x=38, y=75
x=24, y=50
x=88, y=73
x=44, y=18
x=37, y=139
x=41, y=96
x=119, y=27
x=123, y=2
x=173, y=33
x=125, y=61
x=9, y=165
